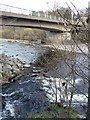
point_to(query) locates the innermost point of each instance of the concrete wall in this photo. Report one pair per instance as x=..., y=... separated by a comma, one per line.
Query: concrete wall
x=57, y=38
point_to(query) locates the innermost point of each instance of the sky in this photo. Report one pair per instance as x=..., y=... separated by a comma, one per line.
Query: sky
x=43, y=4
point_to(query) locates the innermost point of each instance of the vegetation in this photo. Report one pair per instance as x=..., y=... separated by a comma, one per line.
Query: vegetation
x=47, y=57
x=53, y=54
x=77, y=35
x=67, y=14
x=55, y=111
x=22, y=33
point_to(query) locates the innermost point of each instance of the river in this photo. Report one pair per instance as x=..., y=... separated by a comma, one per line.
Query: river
x=20, y=49
x=12, y=103
x=27, y=95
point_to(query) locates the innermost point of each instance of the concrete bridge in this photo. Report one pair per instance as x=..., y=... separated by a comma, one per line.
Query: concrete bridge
x=17, y=17
x=20, y=20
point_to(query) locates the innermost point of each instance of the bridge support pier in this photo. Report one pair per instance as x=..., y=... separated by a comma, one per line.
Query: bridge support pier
x=57, y=38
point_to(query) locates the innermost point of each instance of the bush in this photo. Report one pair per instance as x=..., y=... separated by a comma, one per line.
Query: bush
x=46, y=58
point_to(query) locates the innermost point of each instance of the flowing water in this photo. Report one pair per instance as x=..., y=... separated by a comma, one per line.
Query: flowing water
x=26, y=53
x=27, y=94
x=16, y=97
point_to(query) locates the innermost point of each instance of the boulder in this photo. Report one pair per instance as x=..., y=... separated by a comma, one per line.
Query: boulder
x=9, y=67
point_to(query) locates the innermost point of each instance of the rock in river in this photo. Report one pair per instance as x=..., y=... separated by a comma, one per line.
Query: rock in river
x=9, y=67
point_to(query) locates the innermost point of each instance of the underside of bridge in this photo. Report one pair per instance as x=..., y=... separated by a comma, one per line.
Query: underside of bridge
x=56, y=31
x=16, y=20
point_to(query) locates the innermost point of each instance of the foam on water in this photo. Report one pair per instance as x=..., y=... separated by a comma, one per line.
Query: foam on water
x=10, y=107
x=27, y=81
x=80, y=98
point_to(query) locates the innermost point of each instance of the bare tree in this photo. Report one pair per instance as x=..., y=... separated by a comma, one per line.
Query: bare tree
x=88, y=40
x=78, y=36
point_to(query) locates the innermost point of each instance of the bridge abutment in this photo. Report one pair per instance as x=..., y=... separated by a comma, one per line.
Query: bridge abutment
x=57, y=38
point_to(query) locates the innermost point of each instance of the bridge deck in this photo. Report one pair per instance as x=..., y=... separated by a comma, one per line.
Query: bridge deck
x=22, y=20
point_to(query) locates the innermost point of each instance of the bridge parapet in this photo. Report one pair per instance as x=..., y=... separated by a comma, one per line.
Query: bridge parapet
x=12, y=9
x=39, y=14
x=39, y=19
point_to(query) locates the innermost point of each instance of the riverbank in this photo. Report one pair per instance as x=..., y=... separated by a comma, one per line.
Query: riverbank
x=57, y=66
x=9, y=68
x=22, y=34
x=15, y=56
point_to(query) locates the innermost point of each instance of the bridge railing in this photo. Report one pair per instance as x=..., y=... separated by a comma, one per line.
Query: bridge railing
x=18, y=10
x=13, y=9
x=39, y=14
